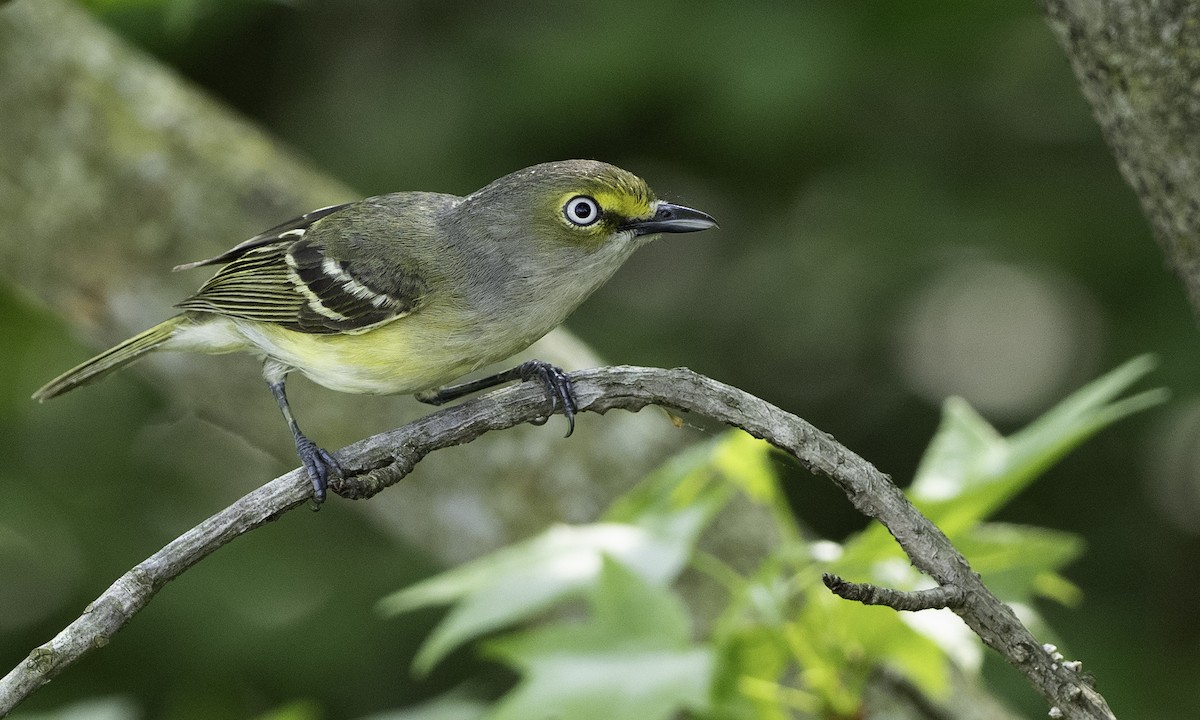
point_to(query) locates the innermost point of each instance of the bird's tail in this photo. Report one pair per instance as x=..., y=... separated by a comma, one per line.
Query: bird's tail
x=112, y=359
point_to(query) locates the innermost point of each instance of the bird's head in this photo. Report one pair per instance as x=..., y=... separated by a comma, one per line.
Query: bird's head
x=581, y=205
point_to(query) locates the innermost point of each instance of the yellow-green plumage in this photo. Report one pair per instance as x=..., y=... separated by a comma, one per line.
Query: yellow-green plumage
x=409, y=291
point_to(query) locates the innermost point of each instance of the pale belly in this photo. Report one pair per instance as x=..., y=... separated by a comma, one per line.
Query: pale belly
x=408, y=355
x=394, y=358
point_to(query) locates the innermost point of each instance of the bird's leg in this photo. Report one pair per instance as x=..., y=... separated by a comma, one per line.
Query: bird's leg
x=553, y=378
x=320, y=464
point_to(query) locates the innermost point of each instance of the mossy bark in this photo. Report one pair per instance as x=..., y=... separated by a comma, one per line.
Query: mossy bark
x=1139, y=66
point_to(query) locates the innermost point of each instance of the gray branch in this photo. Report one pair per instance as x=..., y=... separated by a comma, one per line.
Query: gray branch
x=382, y=460
x=942, y=596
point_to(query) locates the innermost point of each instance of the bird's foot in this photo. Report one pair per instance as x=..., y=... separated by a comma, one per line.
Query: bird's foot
x=558, y=388
x=321, y=468
x=554, y=379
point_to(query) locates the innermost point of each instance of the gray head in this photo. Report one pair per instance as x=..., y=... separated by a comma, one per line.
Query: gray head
x=583, y=205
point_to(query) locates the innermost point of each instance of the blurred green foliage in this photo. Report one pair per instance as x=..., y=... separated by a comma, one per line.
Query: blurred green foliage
x=914, y=203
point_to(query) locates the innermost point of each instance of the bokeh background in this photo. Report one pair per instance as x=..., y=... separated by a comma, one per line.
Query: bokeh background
x=914, y=203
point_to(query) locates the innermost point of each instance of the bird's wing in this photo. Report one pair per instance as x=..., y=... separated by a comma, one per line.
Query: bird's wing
x=296, y=282
x=292, y=229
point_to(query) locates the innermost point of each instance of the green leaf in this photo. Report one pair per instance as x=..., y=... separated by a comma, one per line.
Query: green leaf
x=633, y=660
x=745, y=462
x=749, y=682
x=839, y=644
x=970, y=470
x=525, y=579
x=652, y=529
x=706, y=474
x=1019, y=561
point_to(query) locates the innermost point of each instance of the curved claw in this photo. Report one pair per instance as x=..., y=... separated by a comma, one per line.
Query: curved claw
x=558, y=388
x=321, y=467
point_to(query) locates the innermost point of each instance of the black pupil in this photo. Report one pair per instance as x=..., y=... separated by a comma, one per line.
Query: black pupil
x=582, y=210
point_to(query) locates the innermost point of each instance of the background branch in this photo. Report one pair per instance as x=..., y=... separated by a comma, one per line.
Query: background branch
x=1138, y=64
x=386, y=458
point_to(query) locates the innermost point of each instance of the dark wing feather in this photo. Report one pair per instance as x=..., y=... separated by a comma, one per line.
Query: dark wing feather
x=297, y=284
x=292, y=229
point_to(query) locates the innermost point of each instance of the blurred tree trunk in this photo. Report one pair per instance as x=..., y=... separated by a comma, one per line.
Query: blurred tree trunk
x=1139, y=66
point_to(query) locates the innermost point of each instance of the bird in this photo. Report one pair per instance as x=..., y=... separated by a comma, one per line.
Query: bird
x=409, y=291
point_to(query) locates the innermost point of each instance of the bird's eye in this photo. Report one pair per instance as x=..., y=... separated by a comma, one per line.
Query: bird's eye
x=582, y=210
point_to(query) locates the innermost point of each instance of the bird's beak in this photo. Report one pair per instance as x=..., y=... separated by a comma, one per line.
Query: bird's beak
x=670, y=218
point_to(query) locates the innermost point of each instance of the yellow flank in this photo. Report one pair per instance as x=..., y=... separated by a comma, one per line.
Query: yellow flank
x=399, y=357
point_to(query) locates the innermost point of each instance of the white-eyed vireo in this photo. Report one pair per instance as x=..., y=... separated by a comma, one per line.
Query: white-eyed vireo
x=406, y=292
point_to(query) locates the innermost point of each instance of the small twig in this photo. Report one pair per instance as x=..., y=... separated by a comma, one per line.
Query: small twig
x=942, y=596
x=384, y=459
